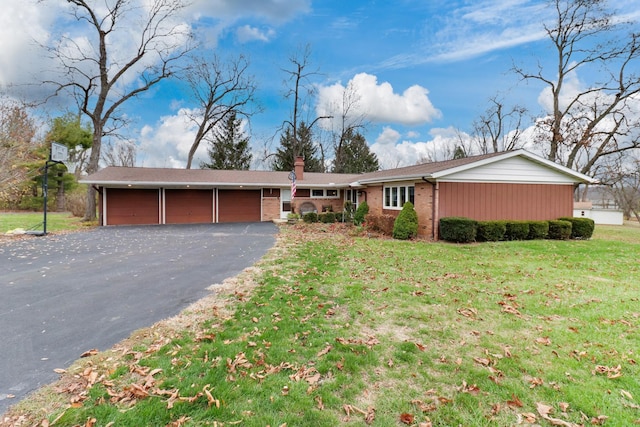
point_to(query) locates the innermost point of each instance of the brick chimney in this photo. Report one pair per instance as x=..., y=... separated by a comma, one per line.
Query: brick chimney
x=299, y=168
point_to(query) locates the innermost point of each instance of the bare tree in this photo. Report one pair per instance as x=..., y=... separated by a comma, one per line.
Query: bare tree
x=588, y=124
x=498, y=129
x=299, y=82
x=132, y=46
x=220, y=89
x=622, y=178
x=120, y=153
x=349, y=118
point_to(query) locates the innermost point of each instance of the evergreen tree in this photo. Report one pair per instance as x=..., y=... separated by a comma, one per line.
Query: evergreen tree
x=285, y=155
x=355, y=156
x=229, y=148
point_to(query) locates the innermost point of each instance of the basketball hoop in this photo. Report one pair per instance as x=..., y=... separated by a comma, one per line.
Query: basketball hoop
x=59, y=152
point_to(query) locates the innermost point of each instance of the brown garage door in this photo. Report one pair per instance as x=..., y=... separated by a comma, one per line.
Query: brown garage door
x=238, y=205
x=188, y=206
x=131, y=207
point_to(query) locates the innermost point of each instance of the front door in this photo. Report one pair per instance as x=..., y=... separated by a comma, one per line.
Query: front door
x=285, y=203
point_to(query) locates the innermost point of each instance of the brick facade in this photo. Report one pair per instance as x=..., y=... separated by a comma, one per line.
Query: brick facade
x=423, y=206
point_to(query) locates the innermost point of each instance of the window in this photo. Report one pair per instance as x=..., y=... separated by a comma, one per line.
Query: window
x=324, y=193
x=395, y=197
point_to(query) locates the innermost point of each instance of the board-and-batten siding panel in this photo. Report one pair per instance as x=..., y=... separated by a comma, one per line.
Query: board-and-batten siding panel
x=514, y=169
x=492, y=201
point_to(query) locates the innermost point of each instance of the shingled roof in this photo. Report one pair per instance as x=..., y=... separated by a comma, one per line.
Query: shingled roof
x=164, y=177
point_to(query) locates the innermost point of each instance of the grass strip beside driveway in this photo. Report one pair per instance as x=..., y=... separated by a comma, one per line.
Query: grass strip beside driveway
x=333, y=329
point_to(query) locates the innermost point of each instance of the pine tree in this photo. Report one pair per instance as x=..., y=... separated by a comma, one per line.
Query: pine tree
x=355, y=156
x=229, y=147
x=286, y=154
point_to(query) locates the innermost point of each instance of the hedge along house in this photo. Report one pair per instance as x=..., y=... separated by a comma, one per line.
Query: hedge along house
x=515, y=185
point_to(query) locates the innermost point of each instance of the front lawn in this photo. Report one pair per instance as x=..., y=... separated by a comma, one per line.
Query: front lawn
x=332, y=329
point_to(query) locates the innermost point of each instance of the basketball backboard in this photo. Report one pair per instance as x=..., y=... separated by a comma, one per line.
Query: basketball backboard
x=59, y=152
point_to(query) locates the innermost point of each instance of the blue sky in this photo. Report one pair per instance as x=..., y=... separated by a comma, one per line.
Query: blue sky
x=424, y=69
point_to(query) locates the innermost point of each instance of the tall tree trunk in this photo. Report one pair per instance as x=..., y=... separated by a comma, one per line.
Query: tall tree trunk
x=60, y=196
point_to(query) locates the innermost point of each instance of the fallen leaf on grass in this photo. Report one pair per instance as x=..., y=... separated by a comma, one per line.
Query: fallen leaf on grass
x=369, y=414
x=610, y=372
x=406, y=418
x=471, y=313
x=510, y=310
x=319, y=403
x=212, y=401
x=88, y=353
x=465, y=388
x=535, y=382
x=599, y=420
x=324, y=351
x=482, y=361
x=515, y=401
x=545, y=410
x=544, y=340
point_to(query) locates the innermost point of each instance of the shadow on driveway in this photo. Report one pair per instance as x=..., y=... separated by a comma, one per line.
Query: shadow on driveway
x=61, y=295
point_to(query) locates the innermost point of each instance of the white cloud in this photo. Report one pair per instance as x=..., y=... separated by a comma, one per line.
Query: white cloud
x=377, y=102
x=24, y=24
x=476, y=29
x=394, y=151
x=167, y=143
x=247, y=33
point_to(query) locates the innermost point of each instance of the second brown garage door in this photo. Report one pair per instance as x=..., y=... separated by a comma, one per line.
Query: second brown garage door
x=188, y=206
x=238, y=205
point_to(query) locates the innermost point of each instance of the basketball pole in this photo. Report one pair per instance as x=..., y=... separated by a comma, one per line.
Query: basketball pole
x=45, y=188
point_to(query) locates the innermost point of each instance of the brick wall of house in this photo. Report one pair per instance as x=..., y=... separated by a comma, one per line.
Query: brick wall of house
x=270, y=208
x=374, y=199
x=337, y=205
x=423, y=206
x=424, y=209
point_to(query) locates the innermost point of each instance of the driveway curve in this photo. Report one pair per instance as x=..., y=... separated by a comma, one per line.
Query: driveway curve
x=61, y=295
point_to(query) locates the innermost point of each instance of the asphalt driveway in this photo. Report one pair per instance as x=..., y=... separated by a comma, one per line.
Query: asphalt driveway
x=61, y=295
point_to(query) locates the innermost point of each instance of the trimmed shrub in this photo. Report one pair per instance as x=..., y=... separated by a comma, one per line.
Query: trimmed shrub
x=327, y=217
x=381, y=223
x=361, y=212
x=538, y=229
x=491, y=231
x=517, y=230
x=310, y=217
x=581, y=228
x=559, y=230
x=406, y=224
x=458, y=229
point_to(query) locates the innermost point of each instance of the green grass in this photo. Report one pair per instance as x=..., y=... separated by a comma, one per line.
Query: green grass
x=34, y=220
x=340, y=326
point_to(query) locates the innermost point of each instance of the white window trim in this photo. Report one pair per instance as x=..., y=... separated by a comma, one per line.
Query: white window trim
x=400, y=187
x=324, y=193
